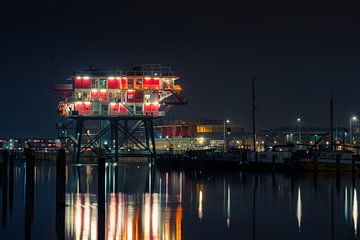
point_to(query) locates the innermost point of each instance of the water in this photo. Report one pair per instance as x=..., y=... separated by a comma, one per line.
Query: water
x=143, y=203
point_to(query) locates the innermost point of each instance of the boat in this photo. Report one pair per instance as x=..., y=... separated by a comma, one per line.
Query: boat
x=327, y=161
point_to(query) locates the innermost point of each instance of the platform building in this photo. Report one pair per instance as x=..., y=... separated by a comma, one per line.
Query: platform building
x=118, y=101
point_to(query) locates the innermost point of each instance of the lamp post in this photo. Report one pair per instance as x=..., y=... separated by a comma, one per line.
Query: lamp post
x=351, y=120
x=299, y=122
x=225, y=122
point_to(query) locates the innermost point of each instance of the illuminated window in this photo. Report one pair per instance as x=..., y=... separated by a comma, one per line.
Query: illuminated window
x=78, y=95
x=139, y=84
x=147, y=98
x=112, y=96
x=94, y=83
x=102, y=83
x=85, y=96
x=204, y=129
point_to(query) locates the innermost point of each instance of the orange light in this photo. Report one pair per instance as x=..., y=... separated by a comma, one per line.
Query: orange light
x=147, y=78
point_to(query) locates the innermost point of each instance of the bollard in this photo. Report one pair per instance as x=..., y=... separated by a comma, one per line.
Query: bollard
x=11, y=182
x=29, y=191
x=30, y=164
x=5, y=155
x=60, y=193
x=60, y=177
x=101, y=197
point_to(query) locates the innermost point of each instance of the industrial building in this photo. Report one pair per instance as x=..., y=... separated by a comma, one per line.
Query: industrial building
x=115, y=109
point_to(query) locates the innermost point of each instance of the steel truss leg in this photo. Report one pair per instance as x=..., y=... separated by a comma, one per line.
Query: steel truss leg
x=152, y=139
x=115, y=137
x=79, y=130
x=126, y=143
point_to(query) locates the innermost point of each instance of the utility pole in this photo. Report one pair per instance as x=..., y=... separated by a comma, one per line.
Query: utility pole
x=331, y=118
x=253, y=115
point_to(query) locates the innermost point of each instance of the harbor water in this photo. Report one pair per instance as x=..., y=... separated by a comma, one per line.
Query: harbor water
x=143, y=202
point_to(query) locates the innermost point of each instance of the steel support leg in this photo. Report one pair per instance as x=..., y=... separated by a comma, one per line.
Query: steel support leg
x=146, y=127
x=152, y=139
x=116, y=132
x=125, y=135
x=79, y=127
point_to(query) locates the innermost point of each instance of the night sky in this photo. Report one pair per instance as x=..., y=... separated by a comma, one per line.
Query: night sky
x=295, y=50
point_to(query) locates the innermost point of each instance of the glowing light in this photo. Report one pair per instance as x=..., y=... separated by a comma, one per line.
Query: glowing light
x=200, y=207
x=299, y=209
x=102, y=90
x=86, y=78
x=78, y=78
x=94, y=90
x=355, y=212
x=111, y=78
x=228, y=206
x=346, y=202
x=112, y=104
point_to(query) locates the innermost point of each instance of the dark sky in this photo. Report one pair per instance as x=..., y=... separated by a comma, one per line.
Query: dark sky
x=295, y=50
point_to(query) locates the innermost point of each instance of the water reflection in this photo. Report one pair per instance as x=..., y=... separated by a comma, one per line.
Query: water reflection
x=144, y=203
x=355, y=211
x=298, y=209
x=136, y=213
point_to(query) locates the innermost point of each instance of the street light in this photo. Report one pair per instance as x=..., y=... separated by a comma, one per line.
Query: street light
x=351, y=120
x=225, y=122
x=299, y=122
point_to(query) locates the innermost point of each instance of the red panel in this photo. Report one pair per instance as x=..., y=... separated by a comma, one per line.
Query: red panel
x=113, y=83
x=147, y=107
x=103, y=96
x=155, y=83
x=114, y=106
x=154, y=107
x=86, y=82
x=131, y=96
x=77, y=82
x=147, y=83
x=79, y=106
x=124, y=83
x=123, y=109
x=87, y=106
x=95, y=94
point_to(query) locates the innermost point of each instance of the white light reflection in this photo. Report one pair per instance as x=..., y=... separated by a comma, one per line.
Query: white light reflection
x=355, y=211
x=128, y=216
x=298, y=209
x=200, y=208
x=228, y=206
x=346, y=202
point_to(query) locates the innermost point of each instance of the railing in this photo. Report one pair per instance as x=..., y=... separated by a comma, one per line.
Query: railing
x=116, y=113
